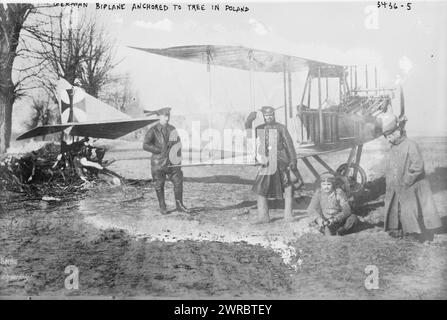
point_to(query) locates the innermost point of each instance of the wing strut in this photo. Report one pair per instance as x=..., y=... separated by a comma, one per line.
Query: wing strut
x=285, y=93
x=252, y=97
x=300, y=110
x=252, y=88
x=320, y=110
x=210, y=96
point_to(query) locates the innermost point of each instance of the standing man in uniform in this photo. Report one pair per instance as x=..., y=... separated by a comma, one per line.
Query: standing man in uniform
x=163, y=142
x=409, y=205
x=278, y=158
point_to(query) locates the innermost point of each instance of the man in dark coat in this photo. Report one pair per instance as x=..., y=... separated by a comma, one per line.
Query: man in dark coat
x=277, y=155
x=409, y=205
x=163, y=142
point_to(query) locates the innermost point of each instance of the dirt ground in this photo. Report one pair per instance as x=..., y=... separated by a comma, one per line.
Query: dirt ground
x=123, y=247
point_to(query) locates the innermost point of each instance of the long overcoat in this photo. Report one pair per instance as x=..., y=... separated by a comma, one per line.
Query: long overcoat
x=271, y=181
x=407, y=188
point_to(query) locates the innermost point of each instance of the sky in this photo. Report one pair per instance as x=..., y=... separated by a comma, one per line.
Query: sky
x=407, y=46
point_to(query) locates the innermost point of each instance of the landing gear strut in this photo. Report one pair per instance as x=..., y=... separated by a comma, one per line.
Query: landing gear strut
x=353, y=176
x=350, y=173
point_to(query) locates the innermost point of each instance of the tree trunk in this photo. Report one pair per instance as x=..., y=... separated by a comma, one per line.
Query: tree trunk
x=2, y=124
x=7, y=97
x=5, y=119
x=6, y=103
x=8, y=118
x=12, y=17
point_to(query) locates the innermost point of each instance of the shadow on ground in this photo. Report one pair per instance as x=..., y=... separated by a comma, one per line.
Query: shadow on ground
x=373, y=191
x=443, y=229
x=220, y=179
x=438, y=180
x=240, y=205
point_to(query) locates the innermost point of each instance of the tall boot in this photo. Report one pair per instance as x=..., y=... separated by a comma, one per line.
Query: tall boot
x=299, y=182
x=288, y=200
x=263, y=211
x=161, y=201
x=178, y=194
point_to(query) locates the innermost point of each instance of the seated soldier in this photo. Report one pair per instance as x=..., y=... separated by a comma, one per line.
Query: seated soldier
x=330, y=208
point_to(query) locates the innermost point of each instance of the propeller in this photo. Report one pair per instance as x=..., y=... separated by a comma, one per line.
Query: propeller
x=402, y=102
x=249, y=122
x=149, y=112
x=402, y=117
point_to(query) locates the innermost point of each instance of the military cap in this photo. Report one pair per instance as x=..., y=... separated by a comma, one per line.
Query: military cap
x=163, y=111
x=327, y=177
x=390, y=124
x=268, y=110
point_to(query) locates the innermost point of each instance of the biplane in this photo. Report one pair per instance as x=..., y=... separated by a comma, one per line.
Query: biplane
x=85, y=116
x=318, y=125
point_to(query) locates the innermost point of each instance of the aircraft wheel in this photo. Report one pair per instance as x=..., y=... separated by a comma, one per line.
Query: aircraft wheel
x=353, y=183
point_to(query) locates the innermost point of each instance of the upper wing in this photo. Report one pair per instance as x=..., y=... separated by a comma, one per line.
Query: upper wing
x=244, y=58
x=105, y=130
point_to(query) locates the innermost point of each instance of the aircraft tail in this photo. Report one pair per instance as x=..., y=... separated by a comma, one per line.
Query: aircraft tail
x=86, y=108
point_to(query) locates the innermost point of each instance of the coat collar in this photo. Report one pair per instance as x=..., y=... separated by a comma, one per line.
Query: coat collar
x=166, y=133
x=159, y=125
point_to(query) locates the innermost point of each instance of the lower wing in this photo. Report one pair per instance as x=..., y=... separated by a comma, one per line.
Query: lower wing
x=104, y=130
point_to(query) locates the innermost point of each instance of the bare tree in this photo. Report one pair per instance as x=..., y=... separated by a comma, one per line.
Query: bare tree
x=12, y=18
x=74, y=50
x=44, y=46
x=96, y=68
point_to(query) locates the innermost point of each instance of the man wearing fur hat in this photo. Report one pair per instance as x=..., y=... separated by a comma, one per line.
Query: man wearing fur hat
x=160, y=140
x=277, y=155
x=409, y=205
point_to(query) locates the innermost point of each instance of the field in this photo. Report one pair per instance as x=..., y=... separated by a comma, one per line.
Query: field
x=123, y=247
